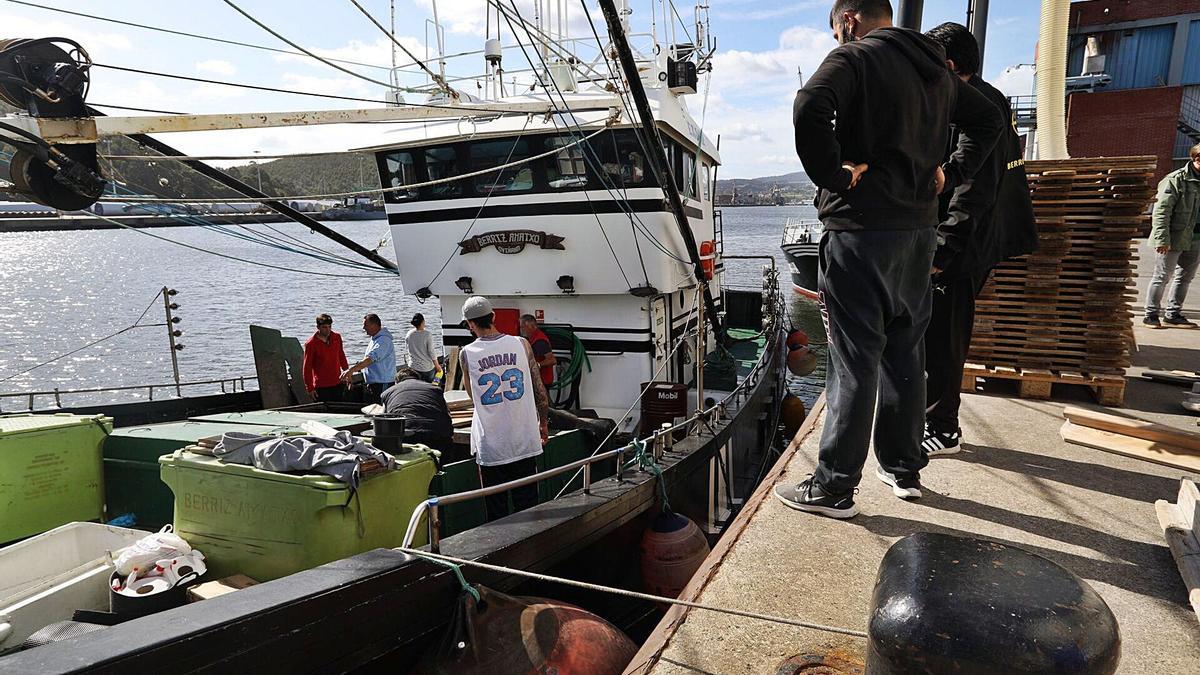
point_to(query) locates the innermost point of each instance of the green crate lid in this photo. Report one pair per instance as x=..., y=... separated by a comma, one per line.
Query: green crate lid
x=148, y=442
x=182, y=459
x=286, y=418
x=25, y=422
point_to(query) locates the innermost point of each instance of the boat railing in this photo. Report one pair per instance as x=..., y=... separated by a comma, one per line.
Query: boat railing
x=228, y=385
x=659, y=442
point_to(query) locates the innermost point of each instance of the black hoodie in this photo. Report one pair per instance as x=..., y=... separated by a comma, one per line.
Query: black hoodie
x=894, y=100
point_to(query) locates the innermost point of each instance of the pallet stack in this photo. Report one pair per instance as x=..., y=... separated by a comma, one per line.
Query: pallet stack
x=1063, y=314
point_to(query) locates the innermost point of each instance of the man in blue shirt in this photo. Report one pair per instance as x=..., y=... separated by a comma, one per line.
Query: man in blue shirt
x=379, y=362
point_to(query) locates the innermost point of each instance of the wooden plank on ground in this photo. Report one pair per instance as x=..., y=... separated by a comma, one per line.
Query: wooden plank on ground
x=1181, y=528
x=1134, y=427
x=1139, y=448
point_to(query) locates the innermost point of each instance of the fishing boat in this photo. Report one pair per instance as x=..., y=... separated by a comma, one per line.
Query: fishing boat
x=585, y=200
x=801, y=245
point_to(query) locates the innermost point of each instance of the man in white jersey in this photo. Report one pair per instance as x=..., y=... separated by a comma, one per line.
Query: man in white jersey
x=511, y=408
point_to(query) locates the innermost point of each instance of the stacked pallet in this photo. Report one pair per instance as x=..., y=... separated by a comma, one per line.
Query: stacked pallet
x=1063, y=313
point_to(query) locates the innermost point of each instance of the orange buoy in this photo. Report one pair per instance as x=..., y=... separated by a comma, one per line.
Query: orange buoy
x=673, y=548
x=801, y=362
x=508, y=635
x=797, y=339
x=792, y=414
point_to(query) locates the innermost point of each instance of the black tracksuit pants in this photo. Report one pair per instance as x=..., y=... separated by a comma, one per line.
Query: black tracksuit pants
x=875, y=297
x=946, y=344
x=524, y=497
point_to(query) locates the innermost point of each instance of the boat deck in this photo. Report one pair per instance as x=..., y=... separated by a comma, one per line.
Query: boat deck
x=1015, y=482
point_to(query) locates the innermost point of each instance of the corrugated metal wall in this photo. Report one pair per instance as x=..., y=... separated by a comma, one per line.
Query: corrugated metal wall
x=1191, y=67
x=1141, y=57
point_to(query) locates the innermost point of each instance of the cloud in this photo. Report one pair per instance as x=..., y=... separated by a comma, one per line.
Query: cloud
x=338, y=86
x=743, y=131
x=801, y=49
x=772, y=11
x=99, y=44
x=1015, y=81
x=216, y=67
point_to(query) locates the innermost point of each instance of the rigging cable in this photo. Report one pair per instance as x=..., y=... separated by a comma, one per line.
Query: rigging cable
x=434, y=76
x=322, y=59
x=361, y=193
x=136, y=324
x=243, y=260
x=196, y=36
x=593, y=159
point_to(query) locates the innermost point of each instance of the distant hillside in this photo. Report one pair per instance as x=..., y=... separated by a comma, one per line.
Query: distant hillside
x=788, y=182
x=347, y=172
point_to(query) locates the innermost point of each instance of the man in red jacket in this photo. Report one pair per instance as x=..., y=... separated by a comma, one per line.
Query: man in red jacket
x=324, y=362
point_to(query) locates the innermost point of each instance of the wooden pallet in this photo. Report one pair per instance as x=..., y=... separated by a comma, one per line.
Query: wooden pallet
x=1036, y=383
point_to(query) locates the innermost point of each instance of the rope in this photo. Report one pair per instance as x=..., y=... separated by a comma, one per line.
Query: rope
x=426, y=555
x=360, y=193
x=645, y=461
x=456, y=568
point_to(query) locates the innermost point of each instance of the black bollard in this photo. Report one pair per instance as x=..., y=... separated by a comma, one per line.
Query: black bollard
x=945, y=604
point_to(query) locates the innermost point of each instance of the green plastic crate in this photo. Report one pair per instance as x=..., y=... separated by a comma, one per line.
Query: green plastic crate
x=291, y=418
x=131, y=472
x=49, y=471
x=268, y=525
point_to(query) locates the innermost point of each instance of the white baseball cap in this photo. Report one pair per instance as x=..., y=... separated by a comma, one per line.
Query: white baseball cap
x=476, y=307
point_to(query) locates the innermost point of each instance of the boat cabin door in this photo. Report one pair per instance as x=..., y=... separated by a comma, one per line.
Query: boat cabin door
x=660, y=326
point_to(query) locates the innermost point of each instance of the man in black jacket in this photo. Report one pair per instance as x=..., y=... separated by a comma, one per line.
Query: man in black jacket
x=426, y=416
x=879, y=173
x=984, y=221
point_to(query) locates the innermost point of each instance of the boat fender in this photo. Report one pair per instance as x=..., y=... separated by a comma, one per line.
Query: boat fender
x=801, y=361
x=510, y=635
x=946, y=604
x=797, y=339
x=792, y=413
x=673, y=548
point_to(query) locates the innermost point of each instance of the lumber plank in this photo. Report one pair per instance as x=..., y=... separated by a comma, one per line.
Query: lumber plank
x=1133, y=427
x=1139, y=448
x=1180, y=530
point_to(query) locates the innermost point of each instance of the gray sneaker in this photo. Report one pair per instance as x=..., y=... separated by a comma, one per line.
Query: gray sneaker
x=810, y=497
x=1178, y=321
x=1151, y=321
x=904, y=488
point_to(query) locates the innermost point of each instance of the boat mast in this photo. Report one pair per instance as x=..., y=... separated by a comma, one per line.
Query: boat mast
x=657, y=157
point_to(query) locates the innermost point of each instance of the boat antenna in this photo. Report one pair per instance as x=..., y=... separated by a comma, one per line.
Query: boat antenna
x=438, y=79
x=658, y=160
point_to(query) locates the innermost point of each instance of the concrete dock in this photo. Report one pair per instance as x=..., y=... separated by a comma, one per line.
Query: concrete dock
x=1016, y=482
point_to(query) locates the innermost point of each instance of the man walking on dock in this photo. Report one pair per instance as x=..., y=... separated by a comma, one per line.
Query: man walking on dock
x=512, y=409
x=879, y=173
x=984, y=221
x=1175, y=236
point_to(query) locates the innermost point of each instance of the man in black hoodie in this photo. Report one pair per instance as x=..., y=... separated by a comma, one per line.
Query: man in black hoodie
x=986, y=220
x=879, y=173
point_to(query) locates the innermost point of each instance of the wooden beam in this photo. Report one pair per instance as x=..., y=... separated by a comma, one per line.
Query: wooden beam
x=1181, y=528
x=1139, y=448
x=1134, y=427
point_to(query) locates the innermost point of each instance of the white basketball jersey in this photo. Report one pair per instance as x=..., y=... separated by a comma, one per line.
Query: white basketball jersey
x=506, y=426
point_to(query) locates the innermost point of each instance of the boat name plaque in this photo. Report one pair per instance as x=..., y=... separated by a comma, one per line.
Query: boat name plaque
x=511, y=241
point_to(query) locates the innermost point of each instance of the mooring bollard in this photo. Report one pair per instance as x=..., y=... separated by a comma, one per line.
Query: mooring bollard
x=945, y=604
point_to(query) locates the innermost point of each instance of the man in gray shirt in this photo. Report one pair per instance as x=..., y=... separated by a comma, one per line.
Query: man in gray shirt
x=420, y=349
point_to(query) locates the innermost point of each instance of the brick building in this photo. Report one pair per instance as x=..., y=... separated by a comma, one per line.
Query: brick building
x=1151, y=50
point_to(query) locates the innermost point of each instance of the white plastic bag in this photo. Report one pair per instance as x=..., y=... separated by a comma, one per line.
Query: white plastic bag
x=141, y=557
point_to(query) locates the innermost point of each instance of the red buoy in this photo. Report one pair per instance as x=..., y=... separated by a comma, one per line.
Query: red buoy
x=801, y=362
x=792, y=413
x=673, y=548
x=507, y=635
x=797, y=339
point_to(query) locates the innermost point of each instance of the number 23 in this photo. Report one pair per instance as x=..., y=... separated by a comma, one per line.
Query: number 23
x=515, y=378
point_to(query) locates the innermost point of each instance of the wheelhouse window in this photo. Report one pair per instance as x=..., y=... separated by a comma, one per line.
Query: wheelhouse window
x=488, y=154
x=688, y=186
x=610, y=160
x=567, y=168
x=706, y=183
x=443, y=163
x=400, y=169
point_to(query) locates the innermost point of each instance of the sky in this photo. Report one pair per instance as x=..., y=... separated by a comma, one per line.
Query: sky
x=762, y=45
